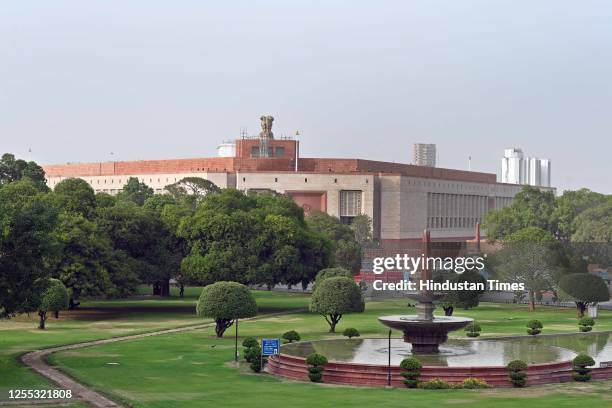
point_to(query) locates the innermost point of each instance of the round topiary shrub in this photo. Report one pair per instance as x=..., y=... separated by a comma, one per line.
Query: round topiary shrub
x=517, y=372
x=316, y=362
x=586, y=324
x=473, y=329
x=225, y=302
x=474, y=383
x=291, y=336
x=580, y=363
x=351, y=332
x=435, y=384
x=534, y=327
x=412, y=371
x=250, y=342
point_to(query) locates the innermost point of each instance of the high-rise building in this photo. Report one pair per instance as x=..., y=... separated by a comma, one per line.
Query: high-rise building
x=425, y=154
x=518, y=169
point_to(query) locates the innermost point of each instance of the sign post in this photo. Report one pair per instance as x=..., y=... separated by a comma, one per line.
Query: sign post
x=269, y=347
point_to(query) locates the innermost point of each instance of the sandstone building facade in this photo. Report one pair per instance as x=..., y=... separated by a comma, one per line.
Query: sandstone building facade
x=401, y=199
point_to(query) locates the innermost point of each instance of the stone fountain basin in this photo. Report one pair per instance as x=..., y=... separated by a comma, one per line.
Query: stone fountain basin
x=412, y=323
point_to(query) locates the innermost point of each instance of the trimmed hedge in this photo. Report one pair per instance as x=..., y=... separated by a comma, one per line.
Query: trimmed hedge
x=517, y=372
x=412, y=371
x=580, y=363
x=534, y=327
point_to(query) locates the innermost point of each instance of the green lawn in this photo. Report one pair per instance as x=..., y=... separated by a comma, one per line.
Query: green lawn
x=109, y=319
x=203, y=375
x=194, y=369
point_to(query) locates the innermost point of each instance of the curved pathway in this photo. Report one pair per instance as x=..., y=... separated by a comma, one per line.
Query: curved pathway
x=36, y=360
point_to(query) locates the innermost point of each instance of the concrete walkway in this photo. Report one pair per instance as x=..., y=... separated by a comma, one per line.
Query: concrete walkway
x=36, y=360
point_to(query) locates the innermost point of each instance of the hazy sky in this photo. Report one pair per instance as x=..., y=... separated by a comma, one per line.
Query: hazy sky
x=167, y=79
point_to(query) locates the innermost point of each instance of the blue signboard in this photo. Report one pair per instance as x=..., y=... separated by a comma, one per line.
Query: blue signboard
x=270, y=347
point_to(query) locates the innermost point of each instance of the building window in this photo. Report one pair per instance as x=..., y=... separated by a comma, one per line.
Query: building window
x=305, y=180
x=276, y=179
x=280, y=152
x=254, y=151
x=350, y=205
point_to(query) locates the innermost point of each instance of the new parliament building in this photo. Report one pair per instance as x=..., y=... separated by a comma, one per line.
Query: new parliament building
x=401, y=199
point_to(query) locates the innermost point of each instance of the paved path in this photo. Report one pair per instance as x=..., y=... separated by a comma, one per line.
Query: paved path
x=36, y=360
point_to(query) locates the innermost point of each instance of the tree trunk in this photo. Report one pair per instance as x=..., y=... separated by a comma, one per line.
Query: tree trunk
x=57, y=314
x=43, y=317
x=333, y=321
x=222, y=325
x=581, y=306
x=164, y=288
x=156, y=289
x=531, y=301
x=72, y=304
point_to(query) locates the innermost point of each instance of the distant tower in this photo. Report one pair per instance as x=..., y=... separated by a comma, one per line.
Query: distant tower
x=518, y=169
x=425, y=154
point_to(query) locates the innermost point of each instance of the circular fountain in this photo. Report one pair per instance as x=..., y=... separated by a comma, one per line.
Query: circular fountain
x=425, y=331
x=425, y=335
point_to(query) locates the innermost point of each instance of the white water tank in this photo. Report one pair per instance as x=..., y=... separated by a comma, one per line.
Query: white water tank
x=226, y=149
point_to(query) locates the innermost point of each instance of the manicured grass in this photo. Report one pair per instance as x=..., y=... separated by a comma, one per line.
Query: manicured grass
x=111, y=318
x=203, y=375
x=193, y=369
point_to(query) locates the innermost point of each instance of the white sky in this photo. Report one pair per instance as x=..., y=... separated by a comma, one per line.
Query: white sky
x=154, y=80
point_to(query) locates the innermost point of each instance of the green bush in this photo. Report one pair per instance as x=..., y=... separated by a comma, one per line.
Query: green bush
x=580, y=363
x=291, y=336
x=252, y=353
x=250, y=342
x=534, y=327
x=351, y=332
x=473, y=329
x=474, y=383
x=586, y=324
x=412, y=371
x=435, y=384
x=316, y=359
x=516, y=372
x=315, y=371
x=256, y=365
x=586, y=321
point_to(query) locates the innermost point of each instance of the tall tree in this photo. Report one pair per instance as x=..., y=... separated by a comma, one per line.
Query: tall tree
x=530, y=208
x=12, y=169
x=260, y=239
x=76, y=196
x=27, y=243
x=571, y=204
x=83, y=265
x=135, y=191
x=530, y=256
x=346, y=249
x=190, y=191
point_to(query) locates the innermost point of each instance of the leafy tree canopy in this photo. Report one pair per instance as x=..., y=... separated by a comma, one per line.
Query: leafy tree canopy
x=135, y=191
x=335, y=297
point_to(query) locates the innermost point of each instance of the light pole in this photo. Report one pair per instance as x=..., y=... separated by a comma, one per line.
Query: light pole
x=236, y=343
x=389, y=362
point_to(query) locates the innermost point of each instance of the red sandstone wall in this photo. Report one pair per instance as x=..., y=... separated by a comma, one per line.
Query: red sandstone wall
x=243, y=162
x=376, y=375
